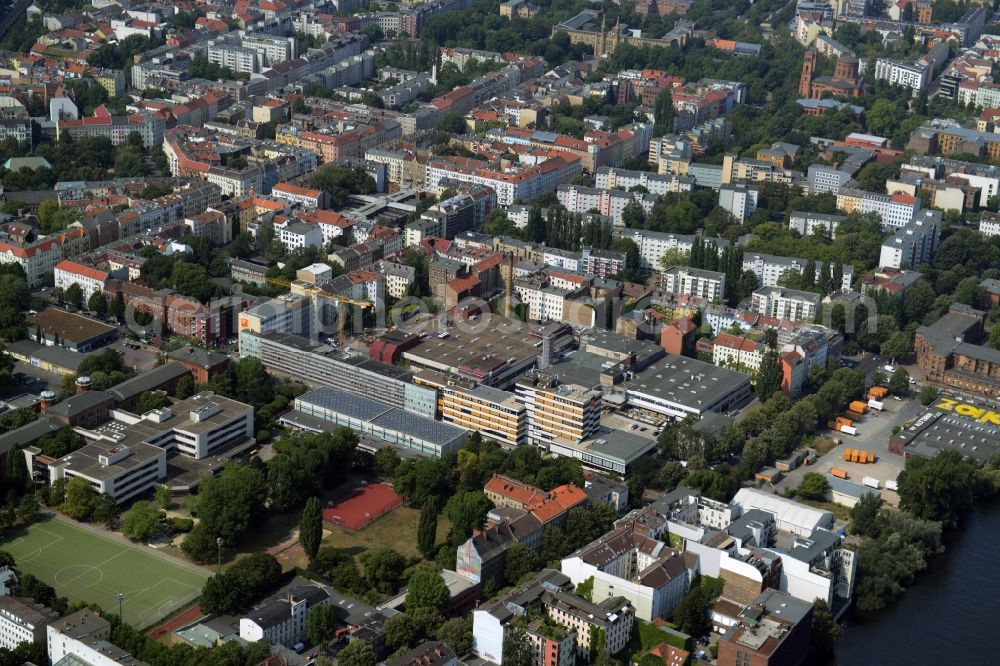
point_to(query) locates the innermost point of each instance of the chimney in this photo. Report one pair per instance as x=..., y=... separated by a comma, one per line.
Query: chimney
x=82, y=384
x=46, y=399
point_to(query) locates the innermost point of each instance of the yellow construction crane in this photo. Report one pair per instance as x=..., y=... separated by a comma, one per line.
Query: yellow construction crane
x=308, y=287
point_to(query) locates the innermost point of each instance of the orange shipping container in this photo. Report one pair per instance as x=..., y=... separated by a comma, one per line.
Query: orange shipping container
x=858, y=406
x=847, y=455
x=844, y=421
x=854, y=455
x=878, y=392
x=839, y=473
x=871, y=456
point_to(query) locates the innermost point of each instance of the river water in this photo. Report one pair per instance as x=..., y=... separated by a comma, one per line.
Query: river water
x=951, y=613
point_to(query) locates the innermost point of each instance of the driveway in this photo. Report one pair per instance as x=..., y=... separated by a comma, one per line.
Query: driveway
x=874, y=430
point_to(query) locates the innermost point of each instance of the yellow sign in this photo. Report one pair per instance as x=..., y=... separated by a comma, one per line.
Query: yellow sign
x=980, y=414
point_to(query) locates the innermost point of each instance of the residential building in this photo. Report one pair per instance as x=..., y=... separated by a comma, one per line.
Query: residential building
x=427, y=653
x=23, y=621
x=84, y=635
x=773, y=630
x=300, y=235
x=550, y=594
x=90, y=280
x=115, y=128
x=895, y=210
x=683, y=280
x=653, y=245
x=38, y=259
x=824, y=178
x=769, y=268
x=989, y=224
x=631, y=562
x=908, y=75
x=783, y=303
x=283, y=619
x=740, y=200
x=739, y=353
x=494, y=413
x=913, y=244
x=556, y=411
x=809, y=224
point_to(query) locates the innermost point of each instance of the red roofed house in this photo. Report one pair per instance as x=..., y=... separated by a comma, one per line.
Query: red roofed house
x=90, y=280
x=677, y=336
x=738, y=353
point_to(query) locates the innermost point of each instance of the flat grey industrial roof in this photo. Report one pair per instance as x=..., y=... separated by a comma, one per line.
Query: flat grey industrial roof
x=418, y=426
x=350, y=405
x=58, y=356
x=305, y=345
x=939, y=430
x=686, y=381
x=619, y=445
x=85, y=460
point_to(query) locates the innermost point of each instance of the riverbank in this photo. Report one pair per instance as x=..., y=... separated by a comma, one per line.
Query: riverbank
x=949, y=612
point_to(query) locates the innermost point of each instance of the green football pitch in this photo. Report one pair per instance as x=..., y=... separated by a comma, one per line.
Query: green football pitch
x=83, y=566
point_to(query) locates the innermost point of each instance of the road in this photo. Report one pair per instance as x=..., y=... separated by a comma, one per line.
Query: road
x=16, y=11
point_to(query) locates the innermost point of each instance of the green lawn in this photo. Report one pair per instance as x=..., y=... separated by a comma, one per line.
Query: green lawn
x=84, y=566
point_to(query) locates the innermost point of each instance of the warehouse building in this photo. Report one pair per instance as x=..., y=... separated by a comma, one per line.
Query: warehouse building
x=327, y=409
x=321, y=364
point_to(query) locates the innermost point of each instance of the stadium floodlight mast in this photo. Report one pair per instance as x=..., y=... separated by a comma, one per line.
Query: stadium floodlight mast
x=218, y=542
x=121, y=598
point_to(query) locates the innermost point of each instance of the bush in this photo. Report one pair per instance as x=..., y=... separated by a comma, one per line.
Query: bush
x=181, y=525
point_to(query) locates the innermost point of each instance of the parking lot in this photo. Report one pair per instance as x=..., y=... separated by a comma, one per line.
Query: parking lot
x=141, y=359
x=874, y=430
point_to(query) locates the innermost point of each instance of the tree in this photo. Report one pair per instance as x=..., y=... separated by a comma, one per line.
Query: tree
x=427, y=528
x=311, y=527
x=117, y=307
x=80, y=499
x=401, y=631
x=18, y=476
x=928, y=394
x=994, y=340
x=97, y=304
x=663, y=113
x=633, y=217
x=150, y=400
x=899, y=382
x=162, y=494
x=521, y=561
x=253, y=384
x=691, y=614
x=185, y=387
x=939, y=488
x=74, y=296
x=141, y=521
x=383, y=567
x=467, y=512
x=814, y=486
x=230, y=502
x=426, y=588
x=321, y=625
x=864, y=515
x=456, y=633
x=242, y=584
x=770, y=375
x=517, y=649
x=27, y=509
x=106, y=510
x=825, y=631
x=359, y=653
x=452, y=123
x=898, y=346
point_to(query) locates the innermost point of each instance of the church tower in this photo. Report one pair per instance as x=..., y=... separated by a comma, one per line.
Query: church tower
x=808, y=70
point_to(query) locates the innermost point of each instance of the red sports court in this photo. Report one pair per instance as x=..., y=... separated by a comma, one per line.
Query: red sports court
x=363, y=506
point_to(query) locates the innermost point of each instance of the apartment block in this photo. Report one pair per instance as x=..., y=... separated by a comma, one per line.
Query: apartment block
x=895, y=210
x=915, y=76
x=23, y=621
x=630, y=561
x=739, y=200
x=686, y=281
x=768, y=268
x=283, y=620
x=913, y=244
x=654, y=244
x=808, y=224
x=737, y=352
x=783, y=303
x=495, y=413
x=558, y=411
